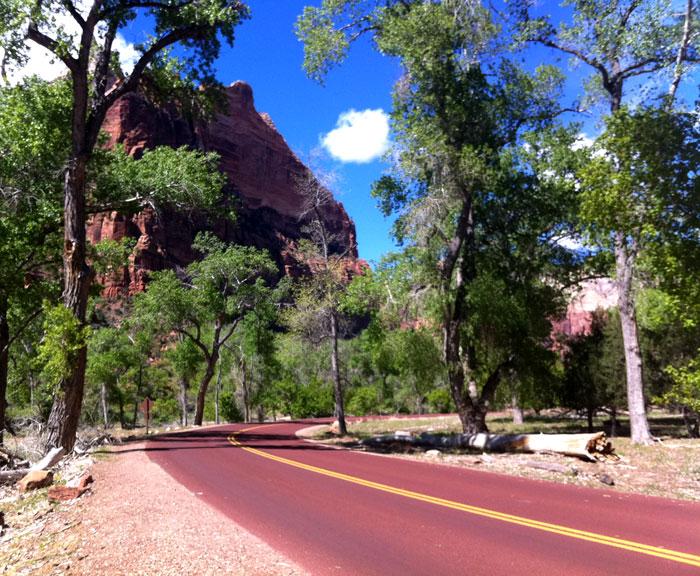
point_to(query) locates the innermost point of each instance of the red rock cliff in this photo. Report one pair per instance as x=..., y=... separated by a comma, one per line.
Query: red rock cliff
x=263, y=174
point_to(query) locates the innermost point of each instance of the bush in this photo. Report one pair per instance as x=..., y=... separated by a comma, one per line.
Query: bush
x=311, y=400
x=165, y=411
x=365, y=400
x=439, y=401
x=229, y=409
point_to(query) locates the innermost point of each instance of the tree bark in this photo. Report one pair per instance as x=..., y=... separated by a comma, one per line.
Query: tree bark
x=624, y=260
x=105, y=407
x=517, y=410
x=4, y=363
x=183, y=401
x=63, y=420
x=202, y=392
x=335, y=370
x=216, y=400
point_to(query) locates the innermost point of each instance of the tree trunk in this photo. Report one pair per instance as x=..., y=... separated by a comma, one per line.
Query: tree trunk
x=246, y=393
x=203, y=386
x=183, y=401
x=4, y=363
x=692, y=422
x=335, y=370
x=216, y=399
x=517, y=410
x=613, y=422
x=591, y=447
x=63, y=421
x=105, y=407
x=122, y=417
x=624, y=260
x=139, y=386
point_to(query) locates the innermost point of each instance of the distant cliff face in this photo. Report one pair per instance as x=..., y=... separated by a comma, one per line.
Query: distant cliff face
x=263, y=175
x=590, y=296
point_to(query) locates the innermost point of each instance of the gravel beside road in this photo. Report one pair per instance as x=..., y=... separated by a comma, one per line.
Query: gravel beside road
x=139, y=521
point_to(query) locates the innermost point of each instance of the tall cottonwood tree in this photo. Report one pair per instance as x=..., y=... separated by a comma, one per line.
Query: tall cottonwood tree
x=478, y=222
x=97, y=83
x=622, y=42
x=318, y=296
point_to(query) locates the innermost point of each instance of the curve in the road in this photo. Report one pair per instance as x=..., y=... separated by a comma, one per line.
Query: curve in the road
x=602, y=539
x=347, y=512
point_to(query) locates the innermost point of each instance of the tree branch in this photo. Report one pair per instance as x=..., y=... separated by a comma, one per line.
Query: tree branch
x=51, y=45
x=73, y=11
x=593, y=62
x=163, y=42
x=682, y=53
x=18, y=332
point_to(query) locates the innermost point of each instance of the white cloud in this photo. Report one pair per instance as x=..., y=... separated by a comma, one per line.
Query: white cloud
x=359, y=136
x=582, y=141
x=128, y=54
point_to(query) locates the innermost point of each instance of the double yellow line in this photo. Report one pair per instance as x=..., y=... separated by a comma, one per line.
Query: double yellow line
x=680, y=557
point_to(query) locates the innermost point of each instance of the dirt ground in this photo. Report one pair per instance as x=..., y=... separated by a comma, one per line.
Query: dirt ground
x=136, y=520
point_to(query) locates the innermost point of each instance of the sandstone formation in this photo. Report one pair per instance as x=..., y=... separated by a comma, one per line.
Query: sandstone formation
x=590, y=296
x=263, y=173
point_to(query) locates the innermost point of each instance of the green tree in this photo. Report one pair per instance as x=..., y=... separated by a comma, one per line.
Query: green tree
x=91, y=62
x=111, y=356
x=318, y=297
x=474, y=214
x=208, y=304
x=640, y=190
x=185, y=359
x=33, y=147
x=622, y=42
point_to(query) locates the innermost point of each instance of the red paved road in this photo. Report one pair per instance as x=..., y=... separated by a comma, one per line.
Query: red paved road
x=332, y=525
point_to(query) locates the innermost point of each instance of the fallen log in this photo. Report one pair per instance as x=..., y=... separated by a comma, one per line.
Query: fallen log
x=11, y=476
x=52, y=458
x=590, y=447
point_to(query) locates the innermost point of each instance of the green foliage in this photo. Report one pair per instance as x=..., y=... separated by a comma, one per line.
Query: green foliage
x=312, y=399
x=165, y=411
x=228, y=408
x=439, y=401
x=179, y=178
x=627, y=38
x=594, y=366
x=642, y=177
x=364, y=400
x=199, y=29
x=224, y=286
x=686, y=386
x=111, y=255
x=64, y=336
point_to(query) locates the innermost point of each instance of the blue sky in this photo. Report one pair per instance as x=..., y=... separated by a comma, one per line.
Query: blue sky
x=268, y=56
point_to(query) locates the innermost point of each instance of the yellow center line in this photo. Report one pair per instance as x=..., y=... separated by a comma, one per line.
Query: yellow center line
x=659, y=552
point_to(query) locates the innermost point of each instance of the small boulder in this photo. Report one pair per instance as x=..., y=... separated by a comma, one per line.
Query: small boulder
x=35, y=479
x=85, y=481
x=433, y=453
x=63, y=493
x=605, y=479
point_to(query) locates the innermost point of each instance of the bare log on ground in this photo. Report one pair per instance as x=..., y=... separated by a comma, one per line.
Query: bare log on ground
x=591, y=447
x=11, y=476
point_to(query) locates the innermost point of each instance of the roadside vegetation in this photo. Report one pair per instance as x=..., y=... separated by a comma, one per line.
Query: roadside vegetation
x=501, y=205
